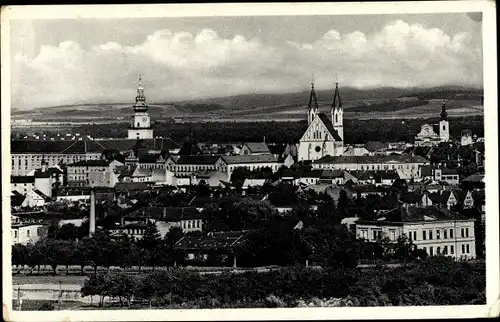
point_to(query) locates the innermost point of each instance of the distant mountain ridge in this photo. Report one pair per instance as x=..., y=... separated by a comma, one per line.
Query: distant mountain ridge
x=252, y=102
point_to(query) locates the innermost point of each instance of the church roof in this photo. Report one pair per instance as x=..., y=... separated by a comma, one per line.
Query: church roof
x=260, y=158
x=373, y=159
x=329, y=126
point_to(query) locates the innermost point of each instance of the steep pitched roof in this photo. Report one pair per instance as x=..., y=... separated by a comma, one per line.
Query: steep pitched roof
x=337, y=102
x=257, y=147
x=329, y=126
x=414, y=214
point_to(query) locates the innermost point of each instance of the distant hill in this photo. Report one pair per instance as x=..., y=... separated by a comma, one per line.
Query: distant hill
x=284, y=105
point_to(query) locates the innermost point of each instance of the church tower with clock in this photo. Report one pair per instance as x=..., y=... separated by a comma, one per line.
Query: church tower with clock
x=140, y=125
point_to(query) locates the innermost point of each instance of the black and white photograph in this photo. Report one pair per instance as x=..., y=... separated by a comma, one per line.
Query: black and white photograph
x=169, y=160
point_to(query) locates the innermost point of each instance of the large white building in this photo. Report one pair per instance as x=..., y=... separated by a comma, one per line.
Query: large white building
x=436, y=231
x=140, y=125
x=322, y=137
x=407, y=166
x=428, y=136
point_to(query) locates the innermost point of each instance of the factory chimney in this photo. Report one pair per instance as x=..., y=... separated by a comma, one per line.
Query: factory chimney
x=92, y=211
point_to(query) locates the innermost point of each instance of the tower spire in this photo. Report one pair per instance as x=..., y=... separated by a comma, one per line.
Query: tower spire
x=337, y=101
x=313, y=101
x=444, y=114
x=140, y=99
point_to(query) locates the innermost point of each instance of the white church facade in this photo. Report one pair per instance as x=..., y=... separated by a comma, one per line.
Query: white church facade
x=140, y=125
x=428, y=136
x=323, y=137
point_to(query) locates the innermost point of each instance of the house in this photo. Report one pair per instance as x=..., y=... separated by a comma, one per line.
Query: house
x=474, y=181
x=310, y=177
x=332, y=177
x=365, y=190
x=440, y=174
x=189, y=219
x=253, y=183
x=385, y=178
x=228, y=164
x=185, y=165
x=26, y=233
x=436, y=231
x=212, y=178
x=449, y=198
x=35, y=198
x=254, y=148
x=223, y=244
x=88, y=173
x=408, y=166
x=416, y=199
x=356, y=150
x=149, y=175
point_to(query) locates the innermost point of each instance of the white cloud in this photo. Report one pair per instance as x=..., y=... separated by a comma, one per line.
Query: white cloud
x=180, y=65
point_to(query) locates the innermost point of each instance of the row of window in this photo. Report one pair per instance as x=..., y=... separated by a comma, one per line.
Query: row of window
x=464, y=232
x=446, y=250
x=191, y=224
x=366, y=167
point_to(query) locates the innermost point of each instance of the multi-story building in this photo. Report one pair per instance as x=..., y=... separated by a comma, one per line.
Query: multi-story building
x=436, y=231
x=440, y=173
x=407, y=166
x=26, y=233
x=228, y=164
x=92, y=173
x=185, y=165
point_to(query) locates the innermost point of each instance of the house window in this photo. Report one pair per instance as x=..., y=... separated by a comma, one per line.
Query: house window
x=438, y=234
x=462, y=233
x=445, y=250
x=466, y=232
x=424, y=235
x=452, y=249
x=424, y=249
x=467, y=248
x=430, y=234
x=438, y=250
x=15, y=233
x=445, y=234
x=414, y=235
x=28, y=233
x=451, y=233
x=463, y=249
x=431, y=251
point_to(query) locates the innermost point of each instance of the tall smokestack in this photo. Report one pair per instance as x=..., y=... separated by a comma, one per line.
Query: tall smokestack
x=92, y=211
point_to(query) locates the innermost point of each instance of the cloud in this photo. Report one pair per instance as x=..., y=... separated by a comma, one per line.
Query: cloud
x=181, y=65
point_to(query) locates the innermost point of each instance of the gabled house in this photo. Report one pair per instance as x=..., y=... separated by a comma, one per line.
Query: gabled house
x=416, y=199
x=440, y=174
x=254, y=148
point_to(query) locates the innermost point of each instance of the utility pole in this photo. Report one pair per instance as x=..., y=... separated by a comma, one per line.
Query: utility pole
x=19, y=300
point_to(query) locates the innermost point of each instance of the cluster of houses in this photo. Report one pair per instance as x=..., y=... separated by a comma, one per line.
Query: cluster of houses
x=47, y=172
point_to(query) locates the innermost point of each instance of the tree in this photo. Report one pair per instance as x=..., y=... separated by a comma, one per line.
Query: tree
x=68, y=232
x=150, y=243
x=54, y=252
x=20, y=254
x=97, y=250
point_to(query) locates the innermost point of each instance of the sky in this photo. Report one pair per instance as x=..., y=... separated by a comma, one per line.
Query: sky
x=87, y=61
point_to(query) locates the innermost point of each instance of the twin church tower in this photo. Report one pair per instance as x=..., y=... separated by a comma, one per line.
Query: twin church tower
x=322, y=137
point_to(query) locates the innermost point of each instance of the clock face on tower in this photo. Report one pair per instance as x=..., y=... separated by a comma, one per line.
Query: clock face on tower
x=144, y=119
x=317, y=148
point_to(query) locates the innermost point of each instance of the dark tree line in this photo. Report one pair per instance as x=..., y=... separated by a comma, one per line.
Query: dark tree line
x=356, y=131
x=435, y=281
